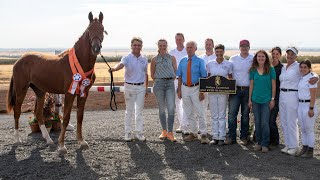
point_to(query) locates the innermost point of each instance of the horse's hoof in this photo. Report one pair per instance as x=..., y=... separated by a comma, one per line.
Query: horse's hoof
x=62, y=150
x=83, y=145
x=49, y=141
x=17, y=141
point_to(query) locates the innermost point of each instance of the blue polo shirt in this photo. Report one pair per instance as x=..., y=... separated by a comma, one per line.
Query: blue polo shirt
x=198, y=69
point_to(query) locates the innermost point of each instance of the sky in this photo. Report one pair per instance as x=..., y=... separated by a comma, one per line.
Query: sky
x=59, y=23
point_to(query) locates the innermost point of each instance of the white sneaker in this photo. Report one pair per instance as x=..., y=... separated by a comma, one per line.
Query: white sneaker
x=140, y=137
x=292, y=151
x=127, y=137
x=285, y=150
x=179, y=130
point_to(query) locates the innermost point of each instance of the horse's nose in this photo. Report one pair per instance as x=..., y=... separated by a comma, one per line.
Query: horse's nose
x=97, y=49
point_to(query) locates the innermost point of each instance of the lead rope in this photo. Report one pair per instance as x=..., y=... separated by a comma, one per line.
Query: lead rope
x=112, y=87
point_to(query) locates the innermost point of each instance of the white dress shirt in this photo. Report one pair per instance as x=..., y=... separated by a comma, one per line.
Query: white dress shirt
x=222, y=69
x=136, y=68
x=178, y=54
x=289, y=77
x=304, y=87
x=240, y=67
x=207, y=58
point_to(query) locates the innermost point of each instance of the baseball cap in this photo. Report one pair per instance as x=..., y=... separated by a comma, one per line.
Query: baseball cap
x=244, y=42
x=293, y=49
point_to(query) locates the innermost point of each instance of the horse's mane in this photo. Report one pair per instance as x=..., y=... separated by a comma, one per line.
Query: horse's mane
x=63, y=53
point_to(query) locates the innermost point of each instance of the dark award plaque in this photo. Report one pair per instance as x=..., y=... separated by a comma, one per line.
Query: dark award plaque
x=217, y=85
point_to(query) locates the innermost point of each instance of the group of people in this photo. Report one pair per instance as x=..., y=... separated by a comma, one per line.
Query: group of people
x=263, y=86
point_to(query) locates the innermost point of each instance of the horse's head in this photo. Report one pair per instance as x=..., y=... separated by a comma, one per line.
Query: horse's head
x=95, y=32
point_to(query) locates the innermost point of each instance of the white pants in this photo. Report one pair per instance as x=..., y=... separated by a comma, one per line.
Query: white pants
x=134, y=98
x=307, y=124
x=191, y=105
x=288, y=107
x=182, y=118
x=218, y=106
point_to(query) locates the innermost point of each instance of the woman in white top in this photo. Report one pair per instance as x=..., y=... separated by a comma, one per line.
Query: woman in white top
x=218, y=102
x=288, y=102
x=307, y=111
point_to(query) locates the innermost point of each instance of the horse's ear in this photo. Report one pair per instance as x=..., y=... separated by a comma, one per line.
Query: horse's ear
x=100, y=17
x=90, y=16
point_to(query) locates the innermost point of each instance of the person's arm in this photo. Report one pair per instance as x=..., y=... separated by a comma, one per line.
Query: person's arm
x=250, y=94
x=179, y=87
x=146, y=82
x=313, y=92
x=153, y=67
x=174, y=64
x=314, y=79
x=116, y=67
x=272, y=102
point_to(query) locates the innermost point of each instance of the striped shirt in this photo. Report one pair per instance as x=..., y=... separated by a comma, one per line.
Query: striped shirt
x=164, y=67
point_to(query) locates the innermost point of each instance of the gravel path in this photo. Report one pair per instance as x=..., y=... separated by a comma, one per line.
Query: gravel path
x=109, y=157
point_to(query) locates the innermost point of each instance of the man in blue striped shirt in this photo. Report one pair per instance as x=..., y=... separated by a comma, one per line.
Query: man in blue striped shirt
x=190, y=69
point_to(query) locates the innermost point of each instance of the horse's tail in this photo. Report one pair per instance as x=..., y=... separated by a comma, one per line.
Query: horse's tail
x=11, y=97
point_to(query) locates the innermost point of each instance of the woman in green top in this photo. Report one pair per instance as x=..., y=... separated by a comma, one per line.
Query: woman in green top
x=262, y=91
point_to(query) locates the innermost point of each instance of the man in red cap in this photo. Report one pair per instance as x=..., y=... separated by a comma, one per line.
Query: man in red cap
x=241, y=64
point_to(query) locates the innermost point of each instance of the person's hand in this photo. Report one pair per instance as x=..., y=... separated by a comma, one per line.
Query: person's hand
x=271, y=104
x=179, y=94
x=111, y=70
x=146, y=95
x=313, y=80
x=311, y=113
x=250, y=104
x=201, y=96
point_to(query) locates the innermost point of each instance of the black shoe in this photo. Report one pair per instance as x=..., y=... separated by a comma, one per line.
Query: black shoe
x=229, y=141
x=214, y=142
x=221, y=142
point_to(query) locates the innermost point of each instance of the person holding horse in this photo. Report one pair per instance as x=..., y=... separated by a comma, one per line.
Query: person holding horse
x=163, y=71
x=135, y=88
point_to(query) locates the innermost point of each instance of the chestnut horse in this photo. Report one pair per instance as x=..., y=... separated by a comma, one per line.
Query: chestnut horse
x=53, y=74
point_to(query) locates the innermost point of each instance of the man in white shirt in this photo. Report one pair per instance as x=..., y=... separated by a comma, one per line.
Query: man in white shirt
x=241, y=64
x=179, y=52
x=207, y=57
x=135, y=88
x=209, y=54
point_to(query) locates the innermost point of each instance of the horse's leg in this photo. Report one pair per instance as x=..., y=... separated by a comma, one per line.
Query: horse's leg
x=81, y=101
x=20, y=95
x=39, y=115
x=68, y=101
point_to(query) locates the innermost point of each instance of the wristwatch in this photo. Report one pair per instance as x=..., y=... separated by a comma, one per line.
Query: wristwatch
x=272, y=98
x=311, y=108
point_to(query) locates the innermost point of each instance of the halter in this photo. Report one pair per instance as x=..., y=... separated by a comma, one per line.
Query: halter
x=91, y=38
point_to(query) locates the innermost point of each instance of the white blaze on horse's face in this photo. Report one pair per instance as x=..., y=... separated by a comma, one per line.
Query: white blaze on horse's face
x=95, y=33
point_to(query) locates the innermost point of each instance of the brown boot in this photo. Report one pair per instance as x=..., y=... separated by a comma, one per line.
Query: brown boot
x=302, y=151
x=308, y=154
x=163, y=135
x=171, y=137
x=190, y=137
x=204, y=139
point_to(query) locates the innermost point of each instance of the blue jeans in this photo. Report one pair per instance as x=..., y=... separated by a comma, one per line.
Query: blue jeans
x=235, y=100
x=165, y=93
x=261, y=114
x=274, y=132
